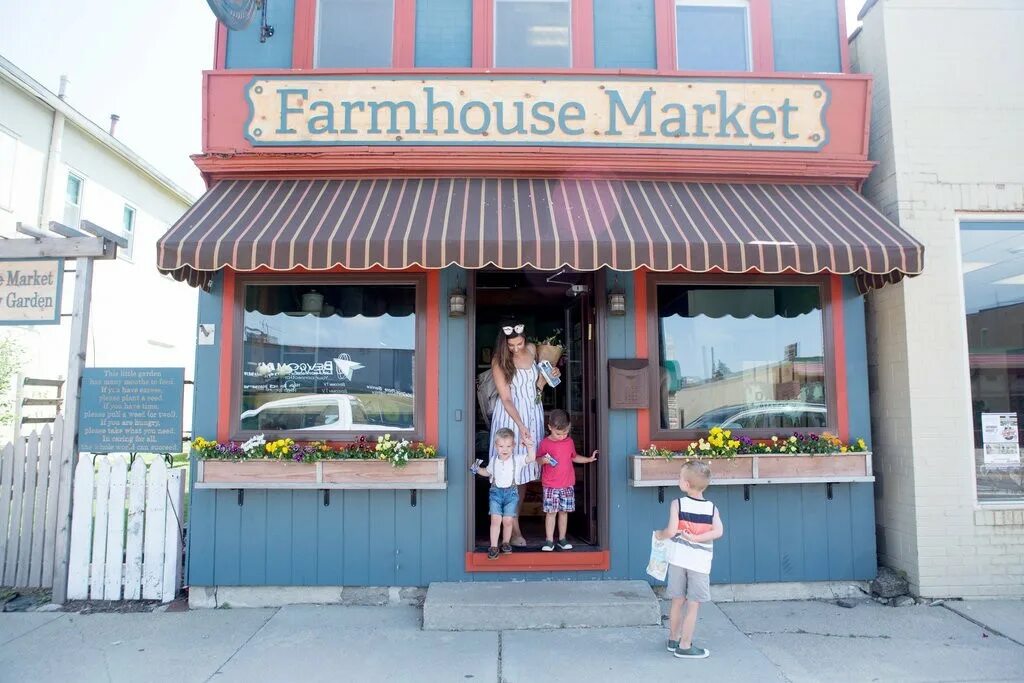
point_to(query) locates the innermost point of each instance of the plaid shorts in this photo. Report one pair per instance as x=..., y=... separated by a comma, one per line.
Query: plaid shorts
x=560, y=500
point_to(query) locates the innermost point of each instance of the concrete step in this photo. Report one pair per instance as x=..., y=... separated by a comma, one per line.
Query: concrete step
x=500, y=606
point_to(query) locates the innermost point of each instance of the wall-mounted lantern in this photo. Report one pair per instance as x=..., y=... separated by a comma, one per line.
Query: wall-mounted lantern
x=457, y=303
x=616, y=303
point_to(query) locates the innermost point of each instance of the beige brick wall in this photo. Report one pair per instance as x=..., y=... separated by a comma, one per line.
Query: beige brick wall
x=948, y=142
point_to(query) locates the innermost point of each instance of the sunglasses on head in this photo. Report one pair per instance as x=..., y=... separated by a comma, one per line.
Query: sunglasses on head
x=509, y=330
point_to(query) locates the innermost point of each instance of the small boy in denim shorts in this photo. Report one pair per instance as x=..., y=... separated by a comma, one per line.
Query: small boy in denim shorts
x=504, y=494
x=557, y=453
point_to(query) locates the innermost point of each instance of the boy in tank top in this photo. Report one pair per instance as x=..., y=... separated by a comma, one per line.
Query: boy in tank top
x=693, y=525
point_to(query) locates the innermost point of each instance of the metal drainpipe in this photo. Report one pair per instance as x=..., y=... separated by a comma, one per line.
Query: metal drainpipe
x=52, y=160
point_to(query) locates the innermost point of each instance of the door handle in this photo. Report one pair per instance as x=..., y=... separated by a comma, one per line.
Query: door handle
x=590, y=331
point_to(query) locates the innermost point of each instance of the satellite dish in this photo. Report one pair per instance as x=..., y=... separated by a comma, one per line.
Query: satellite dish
x=235, y=14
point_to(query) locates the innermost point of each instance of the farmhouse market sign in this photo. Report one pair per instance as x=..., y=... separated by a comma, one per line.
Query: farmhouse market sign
x=761, y=114
x=30, y=291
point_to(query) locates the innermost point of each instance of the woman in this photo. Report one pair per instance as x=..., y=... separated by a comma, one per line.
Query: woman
x=518, y=381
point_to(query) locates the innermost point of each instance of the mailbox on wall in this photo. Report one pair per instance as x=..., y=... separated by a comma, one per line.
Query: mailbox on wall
x=628, y=386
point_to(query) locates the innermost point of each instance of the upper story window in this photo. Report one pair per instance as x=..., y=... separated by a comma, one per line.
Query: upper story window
x=73, y=200
x=532, y=33
x=355, y=33
x=713, y=35
x=128, y=230
x=8, y=153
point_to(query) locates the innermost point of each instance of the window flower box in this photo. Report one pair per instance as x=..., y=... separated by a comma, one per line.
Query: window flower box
x=798, y=468
x=427, y=473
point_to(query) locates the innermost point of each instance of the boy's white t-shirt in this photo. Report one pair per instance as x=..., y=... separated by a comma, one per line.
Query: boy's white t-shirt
x=503, y=472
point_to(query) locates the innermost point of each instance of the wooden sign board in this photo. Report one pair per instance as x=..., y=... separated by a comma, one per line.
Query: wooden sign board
x=131, y=410
x=30, y=291
x=676, y=113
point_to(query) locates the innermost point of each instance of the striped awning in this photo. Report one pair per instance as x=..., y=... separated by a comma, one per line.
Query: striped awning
x=535, y=222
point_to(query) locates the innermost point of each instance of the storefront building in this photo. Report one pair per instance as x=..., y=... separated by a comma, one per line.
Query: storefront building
x=669, y=189
x=946, y=348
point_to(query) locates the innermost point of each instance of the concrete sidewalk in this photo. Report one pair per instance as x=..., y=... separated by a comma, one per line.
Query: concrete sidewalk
x=767, y=641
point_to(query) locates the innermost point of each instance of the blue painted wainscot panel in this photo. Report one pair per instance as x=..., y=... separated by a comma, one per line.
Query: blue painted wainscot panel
x=624, y=34
x=245, y=51
x=444, y=33
x=805, y=35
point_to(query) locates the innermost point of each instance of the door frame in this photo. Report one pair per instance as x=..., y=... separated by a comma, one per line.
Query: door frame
x=576, y=560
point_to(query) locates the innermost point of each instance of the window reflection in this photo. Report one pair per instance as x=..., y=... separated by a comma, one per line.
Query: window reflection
x=741, y=357
x=532, y=33
x=328, y=358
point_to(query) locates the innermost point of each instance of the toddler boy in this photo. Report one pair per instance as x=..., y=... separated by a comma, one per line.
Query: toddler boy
x=504, y=495
x=557, y=453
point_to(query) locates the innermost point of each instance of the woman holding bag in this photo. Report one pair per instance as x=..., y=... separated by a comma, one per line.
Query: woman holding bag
x=518, y=381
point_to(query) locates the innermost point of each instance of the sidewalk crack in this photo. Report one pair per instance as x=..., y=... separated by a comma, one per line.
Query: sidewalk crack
x=239, y=648
x=803, y=632
x=500, y=645
x=33, y=630
x=984, y=626
x=778, y=667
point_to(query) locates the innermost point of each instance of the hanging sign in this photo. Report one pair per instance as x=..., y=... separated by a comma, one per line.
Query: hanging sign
x=1000, y=439
x=30, y=291
x=766, y=114
x=131, y=410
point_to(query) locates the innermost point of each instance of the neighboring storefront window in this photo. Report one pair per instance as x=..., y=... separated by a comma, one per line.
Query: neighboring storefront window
x=532, y=33
x=713, y=35
x=993, y=271
x=747, y=357
x=354, y=33
x=319, y=358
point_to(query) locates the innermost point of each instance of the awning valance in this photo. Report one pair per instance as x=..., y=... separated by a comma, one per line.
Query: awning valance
x=548, y=224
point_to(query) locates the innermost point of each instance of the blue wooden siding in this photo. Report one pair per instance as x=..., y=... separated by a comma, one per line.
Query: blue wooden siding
x=444, y=33
x=245, y=51
x=782, y=533
x=624, y=34
x=805, y=35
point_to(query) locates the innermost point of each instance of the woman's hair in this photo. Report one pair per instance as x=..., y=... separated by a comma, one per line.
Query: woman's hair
x=502, y=355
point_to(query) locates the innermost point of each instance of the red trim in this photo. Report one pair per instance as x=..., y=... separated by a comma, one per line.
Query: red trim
x=761, y=37
x=643, y=417
x=303, y=43
x=220, y=48
x=433, y=356
x=665, y=34
x=584, y=560
x=844, y=44
x=839, y=350
x=483, y=25
x=227, y=335
x=582, y=34
x=403, y=52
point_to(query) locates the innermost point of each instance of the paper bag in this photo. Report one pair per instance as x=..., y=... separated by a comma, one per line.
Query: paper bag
x=657, y=567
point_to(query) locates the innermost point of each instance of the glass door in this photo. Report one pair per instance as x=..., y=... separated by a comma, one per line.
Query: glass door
x=581, y=404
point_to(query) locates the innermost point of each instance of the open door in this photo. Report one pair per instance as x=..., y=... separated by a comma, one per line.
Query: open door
x=581, y=403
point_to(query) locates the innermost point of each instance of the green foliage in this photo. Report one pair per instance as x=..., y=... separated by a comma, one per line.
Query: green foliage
x=12, y=355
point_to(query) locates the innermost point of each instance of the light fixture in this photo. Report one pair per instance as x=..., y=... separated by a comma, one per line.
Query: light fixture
x=616, y=303
x=457, y=303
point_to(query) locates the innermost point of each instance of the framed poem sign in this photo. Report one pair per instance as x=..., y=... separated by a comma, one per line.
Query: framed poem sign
x=131, y=410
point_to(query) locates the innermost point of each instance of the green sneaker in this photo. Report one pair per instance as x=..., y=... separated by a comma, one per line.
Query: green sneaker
x=692, y=652
x=673, y=645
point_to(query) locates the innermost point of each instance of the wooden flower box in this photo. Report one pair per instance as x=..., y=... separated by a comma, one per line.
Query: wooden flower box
x=757, y=469
x=324, y=474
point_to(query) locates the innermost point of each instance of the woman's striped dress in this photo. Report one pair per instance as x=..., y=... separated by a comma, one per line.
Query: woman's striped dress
x=524, y=397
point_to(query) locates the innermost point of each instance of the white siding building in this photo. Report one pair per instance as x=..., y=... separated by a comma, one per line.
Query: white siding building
x=56, y=165
x=946, y=349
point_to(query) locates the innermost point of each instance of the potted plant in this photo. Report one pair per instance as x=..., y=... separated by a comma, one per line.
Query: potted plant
x=382, y=462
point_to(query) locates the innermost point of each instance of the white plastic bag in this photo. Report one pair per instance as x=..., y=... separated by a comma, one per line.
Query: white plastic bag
x=657, y=567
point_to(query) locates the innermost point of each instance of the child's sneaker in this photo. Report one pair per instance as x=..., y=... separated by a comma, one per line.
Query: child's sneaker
x=692, y=652
x=548, y=546
x=492, y=553
x=564, y=544
x=506, y=548
x=673, y=645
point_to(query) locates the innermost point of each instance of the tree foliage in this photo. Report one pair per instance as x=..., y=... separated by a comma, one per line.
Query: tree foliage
x=11, y=357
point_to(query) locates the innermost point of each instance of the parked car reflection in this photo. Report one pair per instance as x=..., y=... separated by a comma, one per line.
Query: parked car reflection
x=312, y=412
x=765, y=415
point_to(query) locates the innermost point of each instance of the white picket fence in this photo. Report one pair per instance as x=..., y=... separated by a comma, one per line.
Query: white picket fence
x=30, y=507
x=126, y=530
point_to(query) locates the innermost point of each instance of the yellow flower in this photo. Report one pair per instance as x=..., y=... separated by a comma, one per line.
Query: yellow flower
x=860, y=442
x=716, y=430
x=792, y=439
x=728, y=433
x=843, y=449
x=775, y=439
x=733, y=443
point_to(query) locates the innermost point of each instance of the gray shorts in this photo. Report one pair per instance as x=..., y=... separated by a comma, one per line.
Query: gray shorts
x=686, y=583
